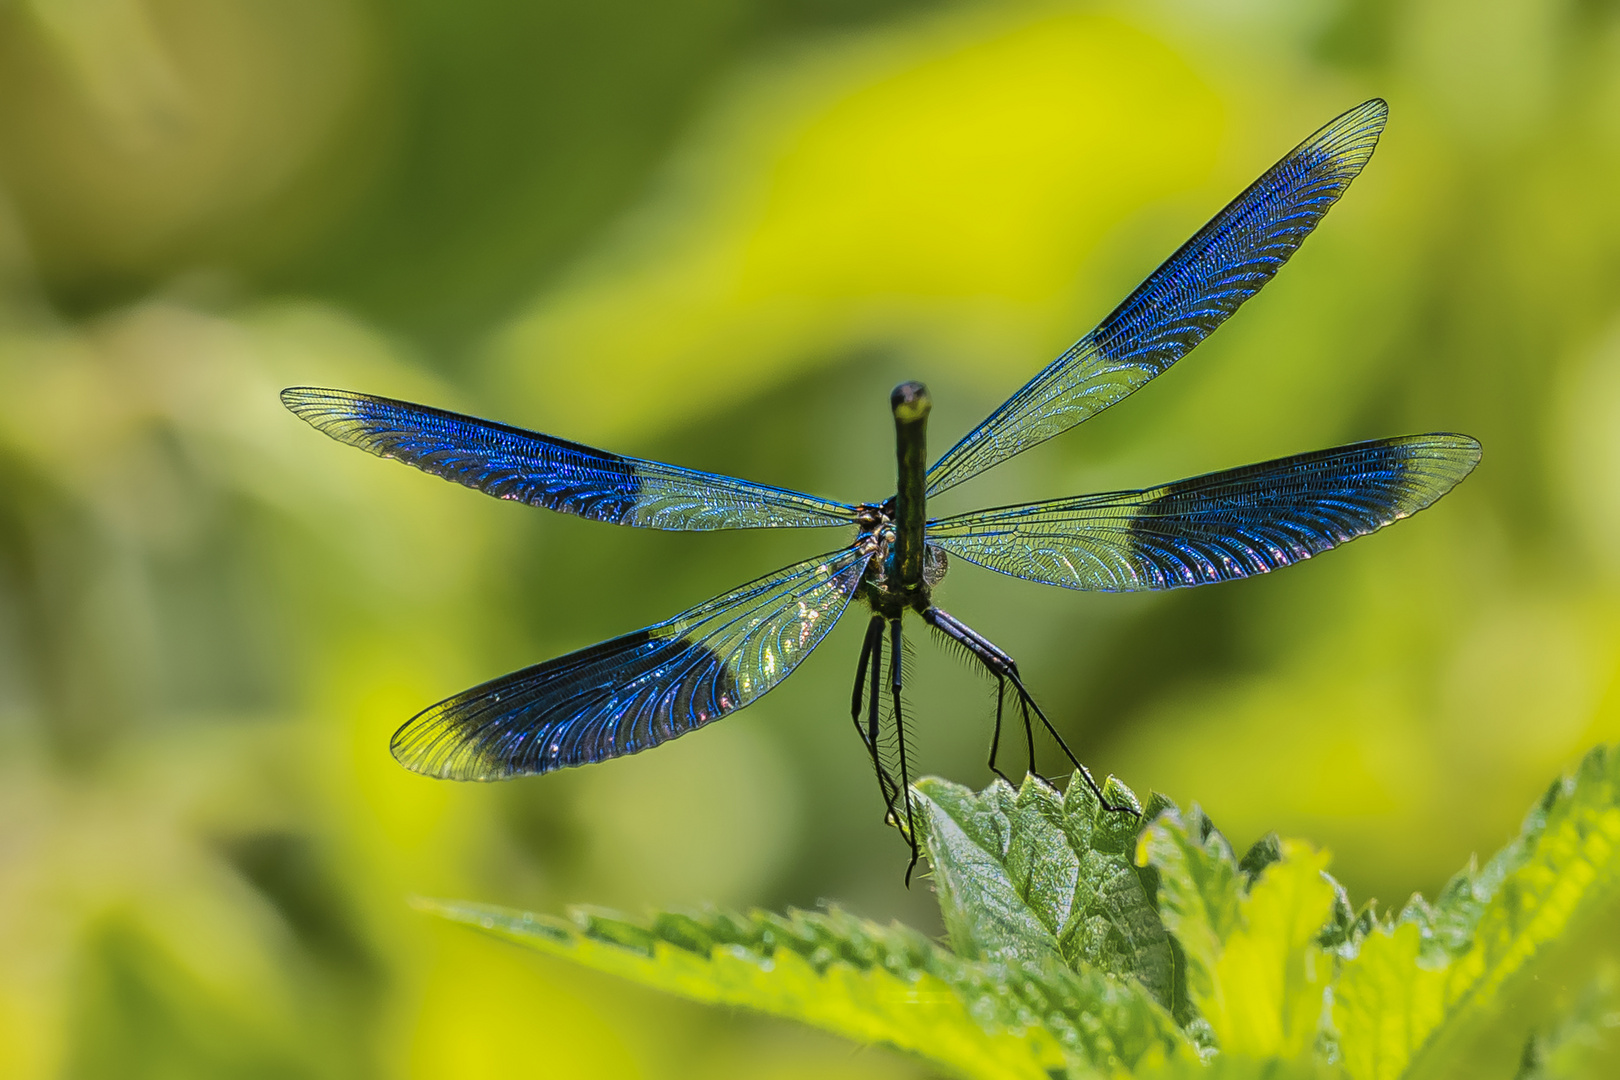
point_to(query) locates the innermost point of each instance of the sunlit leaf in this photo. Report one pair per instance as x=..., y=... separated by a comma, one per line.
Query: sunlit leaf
x=1385, y=1005
x=1061, y=945
x=868, y=983
x=1199, y=891
x=1240, y=1068
x=1271, y=972
x=1586, y=1040
x=1254, y=966
x=1034, y=875
x=1421, y=988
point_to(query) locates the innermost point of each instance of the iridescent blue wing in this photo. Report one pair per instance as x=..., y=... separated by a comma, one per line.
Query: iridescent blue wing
x=1183, y=301
x=1217, y=527
x=527, y=467
x=639, y=690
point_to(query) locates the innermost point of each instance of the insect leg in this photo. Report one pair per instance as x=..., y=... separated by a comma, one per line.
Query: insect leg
x=1024, y=703
x=1002, y=666
x=873, y=726
x=995, y=736
x=998, y=663
x=910, y=828
x=872, y=659
x=1091, y=782
x=859, y=699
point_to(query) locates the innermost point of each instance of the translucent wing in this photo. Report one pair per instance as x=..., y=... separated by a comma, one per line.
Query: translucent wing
x=1183, y=301
x=1216, y=527
x=510, y=463
x=639, y=690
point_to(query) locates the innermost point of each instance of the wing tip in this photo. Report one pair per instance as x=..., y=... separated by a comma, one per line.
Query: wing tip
x=1471, y=447
x=1373, y=107
x=425, y=746
x=1349, y=139
x=1452, y=446
x=1440, y=460
x=314, y=404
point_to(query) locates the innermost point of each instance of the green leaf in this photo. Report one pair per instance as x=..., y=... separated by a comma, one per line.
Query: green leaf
x=1272, y=974
x=869, y=983
x=1585, y=1042
x=1199, y=891
x=1254, y=966
x=1385, y=1004
x=1038, y=877
x=1266, y=850
x=1423, y=987
x=1223, y=1067
x=1066, y=951
x=972, y=851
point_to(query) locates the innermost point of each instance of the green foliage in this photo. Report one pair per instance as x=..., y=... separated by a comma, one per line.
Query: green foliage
x=1087, y=942
x=1254, y=968
x=1574, y=1046
x=1421, y=986
x=695, y=233
x=871, y=983
x=1032, y=874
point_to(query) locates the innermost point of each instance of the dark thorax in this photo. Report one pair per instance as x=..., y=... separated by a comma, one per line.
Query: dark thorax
x=904, y=567
x=881, y=589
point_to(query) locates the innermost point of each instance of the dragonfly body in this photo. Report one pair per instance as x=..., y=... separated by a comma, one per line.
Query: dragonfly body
x=641, y=689
x=901, y=574
x=904, y=567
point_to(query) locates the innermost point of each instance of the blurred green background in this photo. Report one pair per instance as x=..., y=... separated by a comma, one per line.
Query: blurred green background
x=716, y=232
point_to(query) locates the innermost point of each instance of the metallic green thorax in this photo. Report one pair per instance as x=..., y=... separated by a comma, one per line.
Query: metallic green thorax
x=910, y=403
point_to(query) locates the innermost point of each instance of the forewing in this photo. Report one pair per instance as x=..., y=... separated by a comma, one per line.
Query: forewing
x=1182, y=303
x=527, y=467
x=1217, y=527
x=639, y=690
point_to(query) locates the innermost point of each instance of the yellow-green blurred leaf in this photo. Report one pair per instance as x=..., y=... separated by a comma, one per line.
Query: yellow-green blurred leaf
x=1271, y=975
x=1420, y=990
x=1198, y=894
x=1255, y=970
x=1585, y=1042
x=1385, y=1005
x=1237, y=1068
